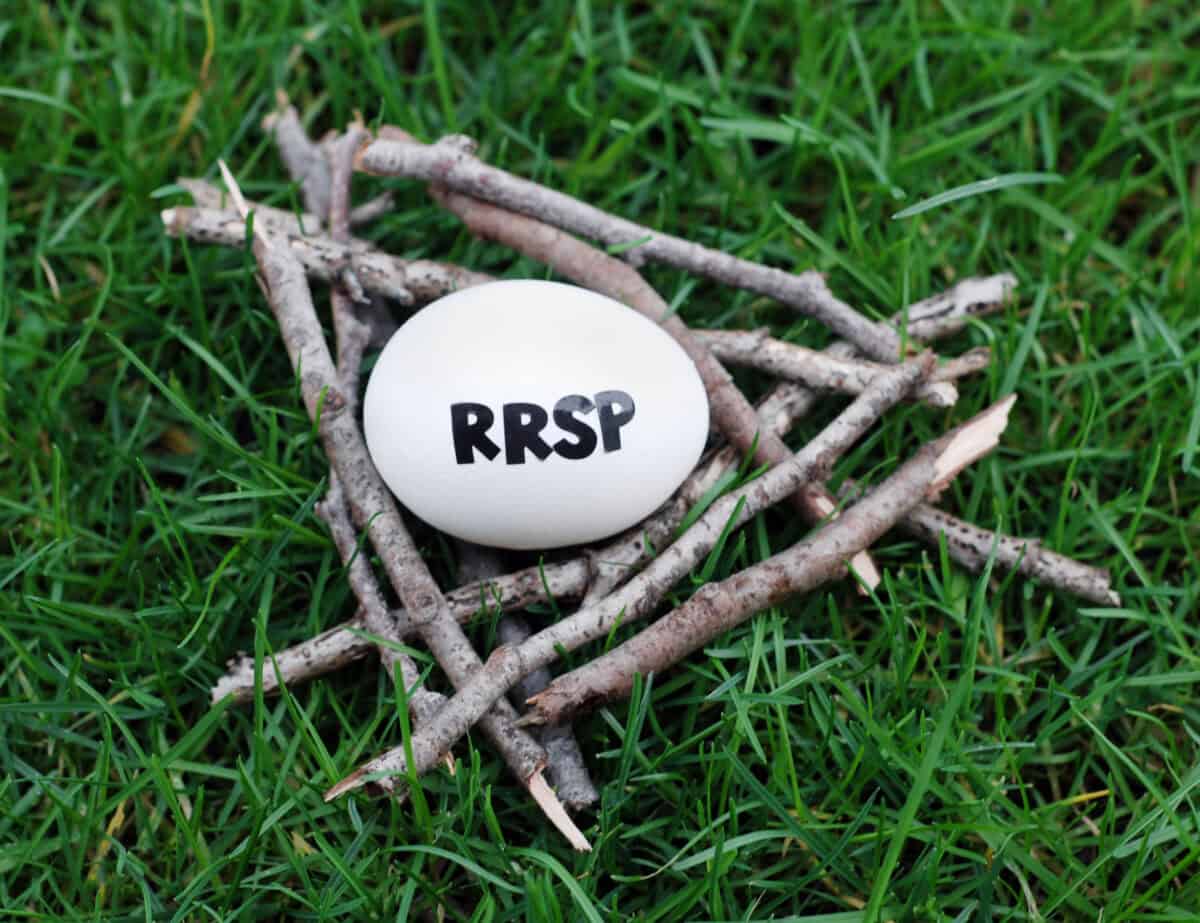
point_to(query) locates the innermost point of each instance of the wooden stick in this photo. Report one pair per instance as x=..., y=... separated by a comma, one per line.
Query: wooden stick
x=352, y=640
x=565, y=767
x=303, y=159
x=409, y=282
x=450, y=163
x=828, y=372
x=971, y=546
x=941, y=315
x=210, y=195
x=565, y=764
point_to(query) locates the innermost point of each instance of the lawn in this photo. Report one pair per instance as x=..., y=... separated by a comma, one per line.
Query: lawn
x=950, y=749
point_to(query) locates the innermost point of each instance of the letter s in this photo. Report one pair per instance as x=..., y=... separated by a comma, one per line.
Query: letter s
x=565, y=419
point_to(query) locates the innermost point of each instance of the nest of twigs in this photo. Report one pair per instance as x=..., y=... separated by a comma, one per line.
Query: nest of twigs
x=877, y=364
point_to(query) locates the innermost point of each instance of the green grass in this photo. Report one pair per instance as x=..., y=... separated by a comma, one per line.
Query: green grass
x=952, y=750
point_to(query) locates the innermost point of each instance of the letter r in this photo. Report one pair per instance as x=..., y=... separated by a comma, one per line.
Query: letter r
x=469, y=424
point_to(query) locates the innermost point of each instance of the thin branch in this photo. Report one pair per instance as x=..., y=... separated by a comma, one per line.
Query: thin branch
x=285, y=221
x=451, y=164
x=758, y=349
x=410, y=282
x=640, y=596
x=946, y=313
x=351, y=334
x=617, y=561
x=566, y=767
x=350, y=641
x=286, y=288
x=372, y=209
x=331, y=650
x=584, y=264
x=717, y=607
x=971, y=547
x=304, y=160
x=375, y=617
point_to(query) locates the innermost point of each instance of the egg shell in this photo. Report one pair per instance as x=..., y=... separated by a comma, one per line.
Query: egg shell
x=520, y=351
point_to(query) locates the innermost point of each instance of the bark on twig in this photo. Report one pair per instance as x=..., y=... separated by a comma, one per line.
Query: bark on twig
x=565, y=764
x=717, y=607
x=410, y=282
x=639, y=597
x=971, y=547
x=584, y=264
x=567, y=771
x=209, y=195
x=372, y=209
x=351, y=334
x=332, y=649
x=304, y=160
x=758, y=349
x=451, y=164
x=565, y=768
x=375, y=618
x=948, y=312
x=286, y=288
x=334, y=510
x=351, y=641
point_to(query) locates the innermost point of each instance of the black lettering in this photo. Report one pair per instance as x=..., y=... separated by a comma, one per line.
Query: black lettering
x=565, y=419
x=610, y=421
x=469, y=424
x=523, y=424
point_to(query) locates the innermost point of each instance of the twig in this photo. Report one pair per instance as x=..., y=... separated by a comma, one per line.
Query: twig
x=613, y=564
x=564, y=760
x=304, y=160
x=971, y=546
x=565, y=764
x=948, y=312
x=639, y=597
x=372, y=209
x=758, y=349
x=334, y=508
x=339, y=153
x=565, y=768
x=717, y=607
x=410, y=282
x=350, y=641
x=331, y=650
x=209, y=195
x=350, y=333
x=584, y=264
x=451, y=164
x=375, y=617
x=287, y=292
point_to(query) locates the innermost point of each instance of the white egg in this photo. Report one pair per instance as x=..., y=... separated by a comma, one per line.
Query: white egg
x=530, y=414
